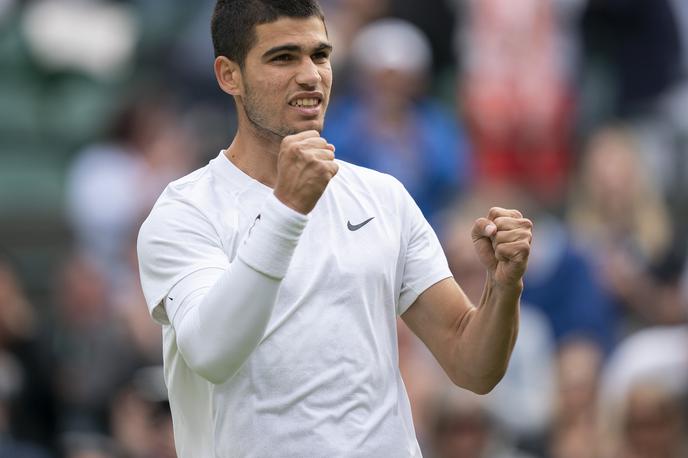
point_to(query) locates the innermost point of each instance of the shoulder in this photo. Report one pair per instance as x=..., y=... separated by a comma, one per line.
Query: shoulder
x=186, y=204
x=193, y=187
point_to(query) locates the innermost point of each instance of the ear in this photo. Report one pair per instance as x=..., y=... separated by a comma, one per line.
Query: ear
x=228, y=75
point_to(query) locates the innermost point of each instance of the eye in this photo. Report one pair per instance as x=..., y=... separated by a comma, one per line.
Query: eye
x=282, y=58
x=321, y=56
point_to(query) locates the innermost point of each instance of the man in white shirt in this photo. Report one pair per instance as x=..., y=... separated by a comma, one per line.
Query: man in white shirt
x=278, y=272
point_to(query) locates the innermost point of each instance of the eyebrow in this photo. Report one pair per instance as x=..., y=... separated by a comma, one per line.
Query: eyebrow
x=295, y=48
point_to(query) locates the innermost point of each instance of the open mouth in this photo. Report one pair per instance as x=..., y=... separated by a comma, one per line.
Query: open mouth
x=306, y=103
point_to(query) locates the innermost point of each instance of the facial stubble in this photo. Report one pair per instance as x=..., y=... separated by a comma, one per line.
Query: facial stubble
x=256, y=114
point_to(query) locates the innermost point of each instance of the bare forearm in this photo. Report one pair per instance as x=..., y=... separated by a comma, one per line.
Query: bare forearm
x=473, y=344
x=486, y=337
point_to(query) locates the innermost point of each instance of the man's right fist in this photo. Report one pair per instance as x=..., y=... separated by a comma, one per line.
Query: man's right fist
x=304, y=167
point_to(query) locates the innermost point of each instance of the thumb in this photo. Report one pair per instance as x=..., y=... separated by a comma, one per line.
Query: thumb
x=483, y=227
x=483, y=230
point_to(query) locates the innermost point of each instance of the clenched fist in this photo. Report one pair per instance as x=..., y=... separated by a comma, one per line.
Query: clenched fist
x=304, y=168
x=502, y=241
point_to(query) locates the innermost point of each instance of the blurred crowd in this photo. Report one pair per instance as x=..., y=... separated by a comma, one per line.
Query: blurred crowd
x=574, y=111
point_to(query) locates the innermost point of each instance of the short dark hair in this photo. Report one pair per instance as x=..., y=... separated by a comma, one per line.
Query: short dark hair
x=233, y=25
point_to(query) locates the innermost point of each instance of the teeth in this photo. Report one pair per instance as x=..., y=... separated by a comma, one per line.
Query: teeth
x=304, y=103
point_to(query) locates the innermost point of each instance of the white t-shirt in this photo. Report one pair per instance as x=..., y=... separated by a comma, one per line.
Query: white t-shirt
x=324, y=380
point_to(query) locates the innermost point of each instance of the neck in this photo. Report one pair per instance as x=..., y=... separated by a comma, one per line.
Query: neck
x=255, y=155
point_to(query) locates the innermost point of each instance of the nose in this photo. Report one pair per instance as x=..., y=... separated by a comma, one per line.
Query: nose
x=308, y=73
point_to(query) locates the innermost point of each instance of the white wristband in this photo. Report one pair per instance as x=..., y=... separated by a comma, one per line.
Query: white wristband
x=272, y=238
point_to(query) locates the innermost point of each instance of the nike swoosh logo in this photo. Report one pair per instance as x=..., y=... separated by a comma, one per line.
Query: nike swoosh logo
x=355, y=227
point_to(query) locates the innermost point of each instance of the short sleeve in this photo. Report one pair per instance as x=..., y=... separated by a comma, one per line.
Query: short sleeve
x=175, y=241
x=424, y=262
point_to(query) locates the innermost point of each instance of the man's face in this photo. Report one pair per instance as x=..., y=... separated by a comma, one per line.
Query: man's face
x=287, y=77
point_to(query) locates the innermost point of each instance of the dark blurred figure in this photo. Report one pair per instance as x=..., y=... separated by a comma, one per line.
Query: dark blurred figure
x=435, y=19
x=140, y=419
x=389, y=124
x=636, y=43
x=25, y=369
x=89, y=445
x=129, y=309
x=11, y=381
x=93, y=355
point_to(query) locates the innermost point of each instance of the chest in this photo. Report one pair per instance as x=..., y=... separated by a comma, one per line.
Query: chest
x=352, y=241
x=350, y=238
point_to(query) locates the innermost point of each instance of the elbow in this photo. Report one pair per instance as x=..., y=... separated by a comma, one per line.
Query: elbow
x=479, y=383
x=211, y=363
x=211, y=367
x=215, y=375
x=483, y=386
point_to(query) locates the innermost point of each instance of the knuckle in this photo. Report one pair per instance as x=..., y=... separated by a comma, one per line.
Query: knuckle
x=502, y=220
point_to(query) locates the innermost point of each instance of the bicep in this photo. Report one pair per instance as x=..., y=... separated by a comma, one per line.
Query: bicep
x=438, y=316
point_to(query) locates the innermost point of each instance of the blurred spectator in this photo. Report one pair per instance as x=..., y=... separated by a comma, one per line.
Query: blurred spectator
x=345, y=18
x=93, y=354
x=616, y=202
x=147, y=147
x=574, y=430
x=618, y=215
x=89, y=445
x=515, y=70
x=652, y=424
x=642, y=387
x=140, y=417
x=562, y=282
x=129, y=308
x=636, y=69
x=435, y=19
x=388, y=124
x=463, y=427
x=656, y=355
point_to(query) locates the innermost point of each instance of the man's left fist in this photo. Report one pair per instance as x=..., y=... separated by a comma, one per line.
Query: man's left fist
x=502, y=241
